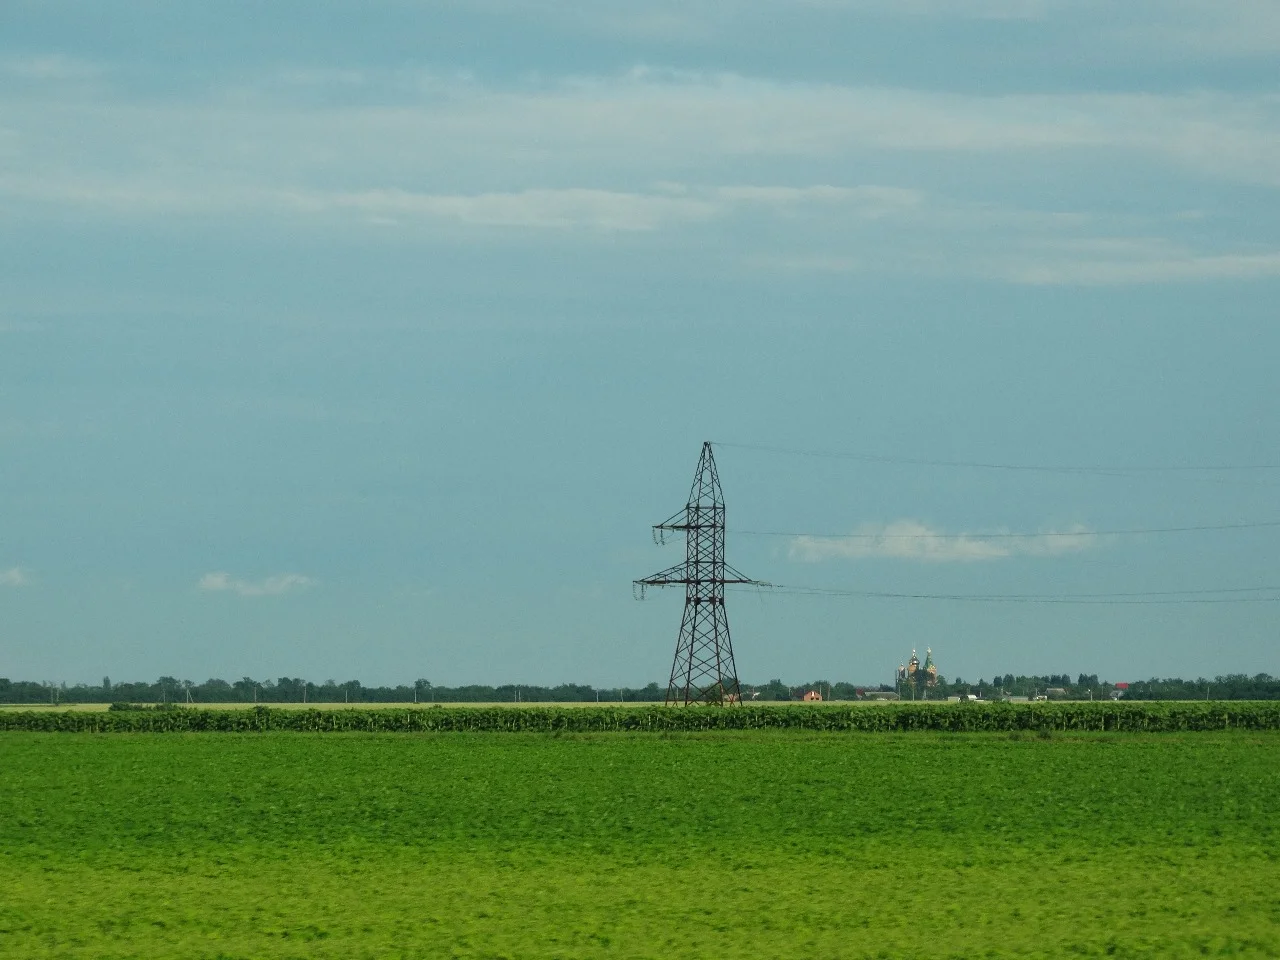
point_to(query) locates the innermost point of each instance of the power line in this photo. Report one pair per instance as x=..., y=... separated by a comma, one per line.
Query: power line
x=1107, y=471
x=1262, y=594
x=1249, y=525
x=1132, y=598
x=1092, y=596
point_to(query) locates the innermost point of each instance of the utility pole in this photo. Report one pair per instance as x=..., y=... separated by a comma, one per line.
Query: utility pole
x=702, y=670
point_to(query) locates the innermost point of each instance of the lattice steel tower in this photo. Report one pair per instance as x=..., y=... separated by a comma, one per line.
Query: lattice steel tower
x=703, y=670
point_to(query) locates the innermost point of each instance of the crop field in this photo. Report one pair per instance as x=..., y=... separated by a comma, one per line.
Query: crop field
x=424, y=705
x=757, y=843
x=1148, y=717
x=99, y=707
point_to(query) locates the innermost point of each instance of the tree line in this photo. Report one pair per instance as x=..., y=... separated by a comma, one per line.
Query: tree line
x=1233, y=686
x=296, y=690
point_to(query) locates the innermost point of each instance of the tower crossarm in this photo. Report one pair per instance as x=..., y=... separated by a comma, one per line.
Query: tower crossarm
x=732, y=575
x=672, y=576
x=702, y=518
x=677, y=521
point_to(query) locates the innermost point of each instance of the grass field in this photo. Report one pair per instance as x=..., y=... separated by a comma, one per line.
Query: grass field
x=753, y=844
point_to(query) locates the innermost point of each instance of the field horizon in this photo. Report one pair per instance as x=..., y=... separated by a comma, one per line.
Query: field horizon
x=531, y=705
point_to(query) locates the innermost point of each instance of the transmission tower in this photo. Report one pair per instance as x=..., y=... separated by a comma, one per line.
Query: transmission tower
x=702, y=670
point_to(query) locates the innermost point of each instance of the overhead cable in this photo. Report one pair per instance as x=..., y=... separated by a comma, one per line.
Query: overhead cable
x=1122, y=599
x=1095, y=470
x=1130, y=531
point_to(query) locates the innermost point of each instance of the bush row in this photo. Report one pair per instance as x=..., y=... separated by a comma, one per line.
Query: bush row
x=1149, y=716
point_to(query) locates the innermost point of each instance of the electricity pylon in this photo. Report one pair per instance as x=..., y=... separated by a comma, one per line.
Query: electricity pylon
x=703, y=670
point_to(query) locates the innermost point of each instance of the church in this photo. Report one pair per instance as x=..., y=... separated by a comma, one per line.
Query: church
x=918, y=676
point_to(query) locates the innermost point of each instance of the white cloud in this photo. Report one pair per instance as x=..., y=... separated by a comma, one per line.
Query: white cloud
x=912, y=540
x=14, y=577
x=660, y=150
x=867, y=200
x=846, y=229
x=268, y=587
x=1146, y=29
x=1205, y=28
x=1043, y=267
x=719, y=20
x=49, y=68
x=1186, y=267
x=665, y=205
x=554, y=209
x=952, y=9
x=460, y=136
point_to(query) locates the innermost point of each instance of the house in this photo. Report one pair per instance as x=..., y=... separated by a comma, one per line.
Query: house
x=811, y=695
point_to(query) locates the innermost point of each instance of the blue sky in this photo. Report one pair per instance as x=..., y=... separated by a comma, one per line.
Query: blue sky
x=368, y=339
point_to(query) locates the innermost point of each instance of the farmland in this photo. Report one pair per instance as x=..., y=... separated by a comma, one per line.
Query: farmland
x=730, y=843
x=1150, y=717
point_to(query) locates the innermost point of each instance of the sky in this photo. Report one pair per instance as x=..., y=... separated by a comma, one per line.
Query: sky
x=367, y=340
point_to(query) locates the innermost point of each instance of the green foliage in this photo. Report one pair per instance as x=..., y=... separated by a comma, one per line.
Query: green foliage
x=1155, y=717
x=766, y=843
x=297, y=690
x=1236, y=686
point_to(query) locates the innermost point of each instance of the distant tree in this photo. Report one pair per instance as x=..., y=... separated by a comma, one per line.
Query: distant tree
x=1236, y=686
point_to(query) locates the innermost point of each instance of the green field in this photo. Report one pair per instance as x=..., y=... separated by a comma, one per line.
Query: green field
x=1150, y=717
x=732, y=844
